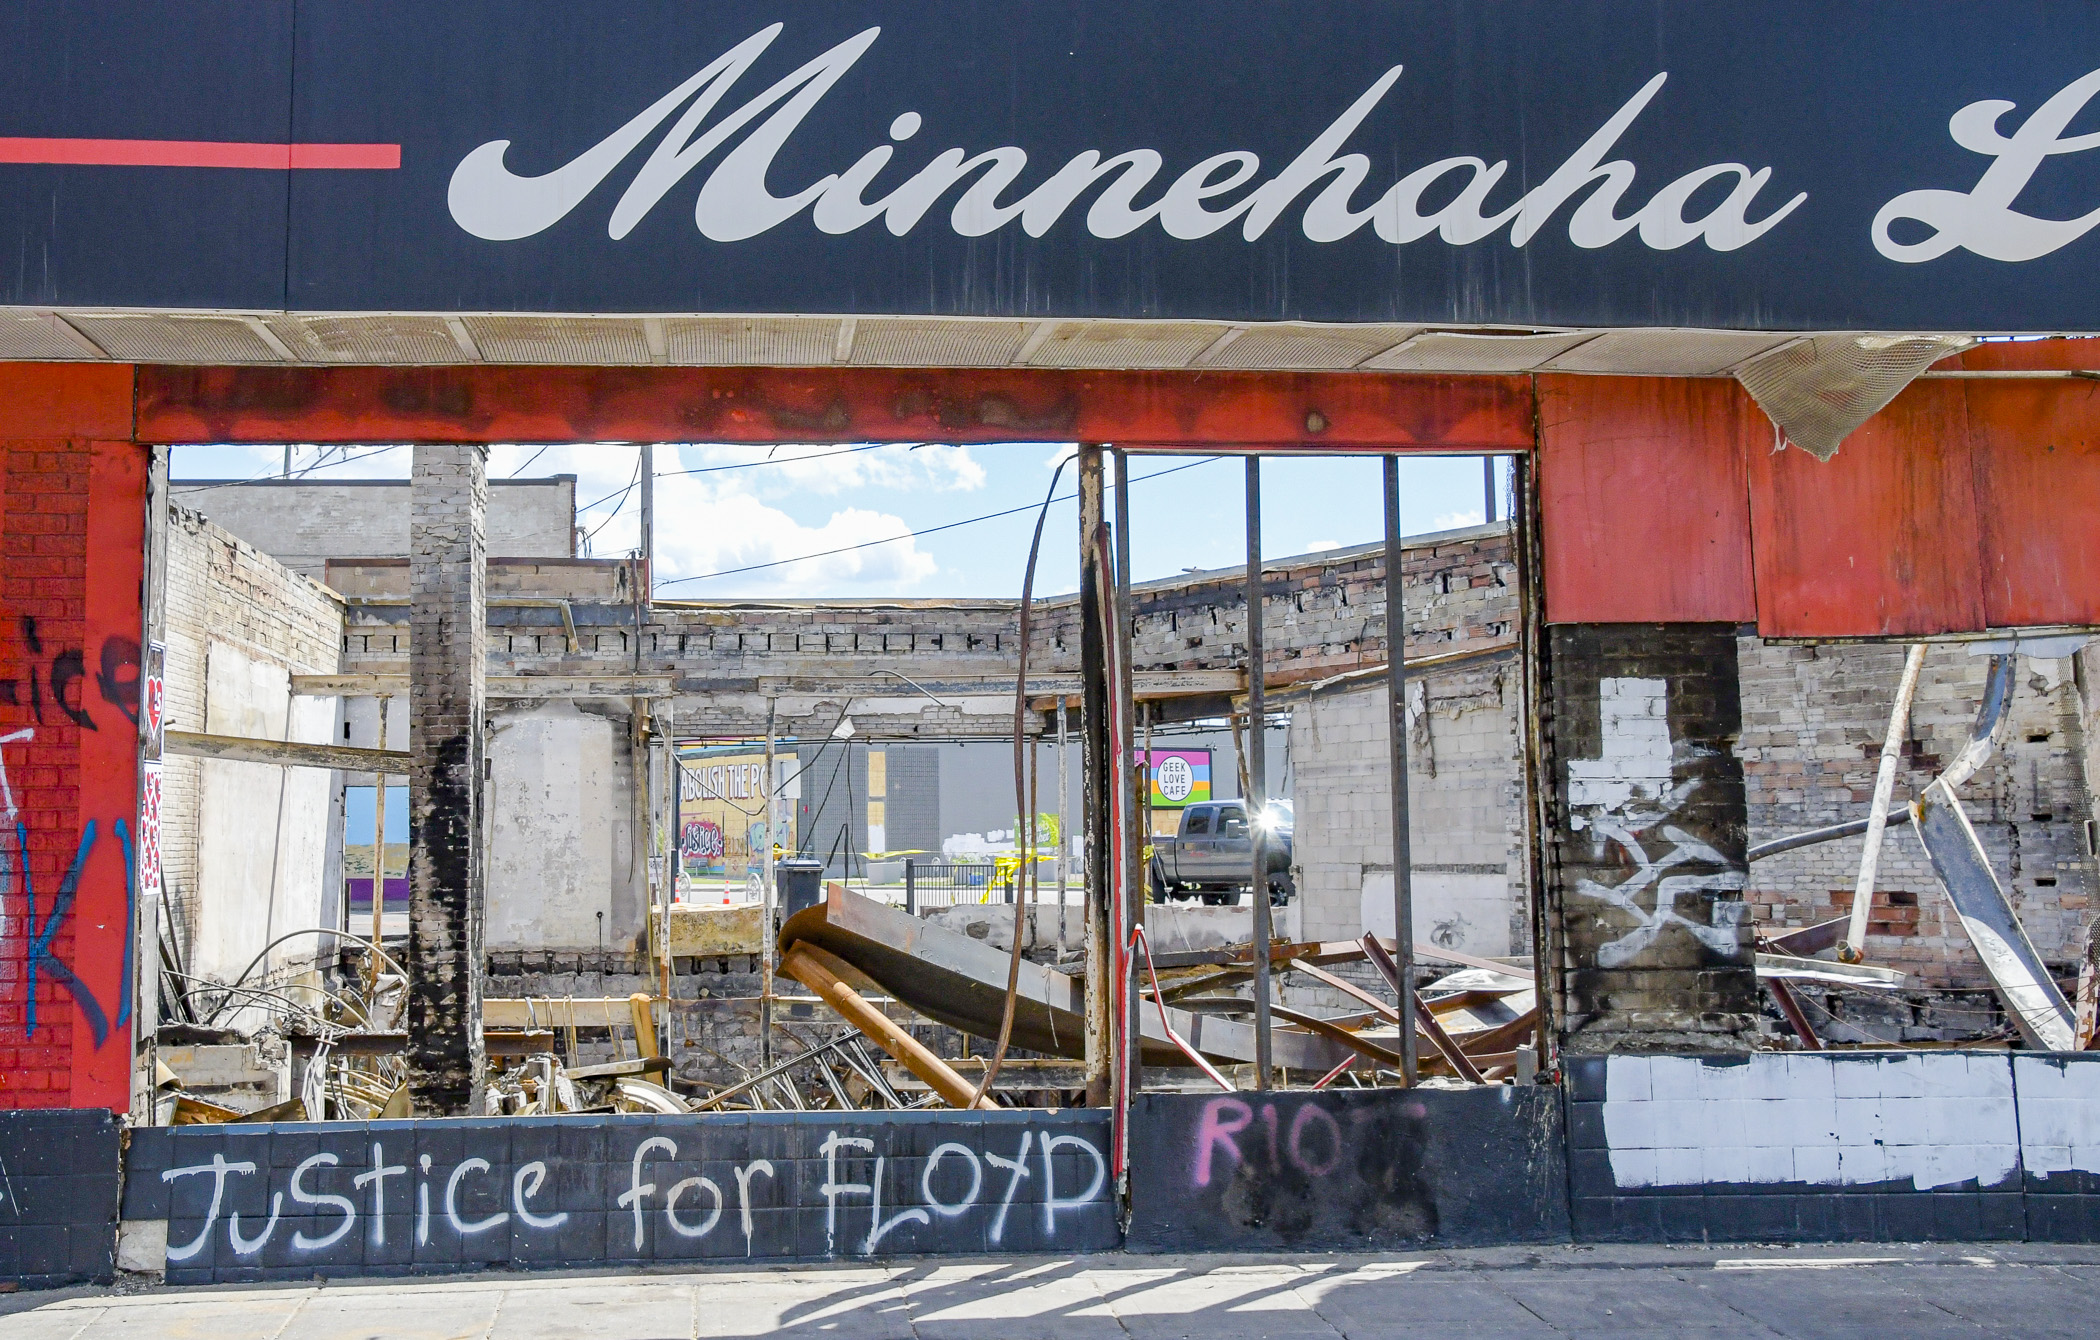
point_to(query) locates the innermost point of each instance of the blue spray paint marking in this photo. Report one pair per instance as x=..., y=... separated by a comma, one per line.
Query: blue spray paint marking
x=40, y=939
x=131, y=921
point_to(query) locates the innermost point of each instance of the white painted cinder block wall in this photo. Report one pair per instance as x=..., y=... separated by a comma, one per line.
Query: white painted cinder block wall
x=1463, y=766
x=1929, y=1119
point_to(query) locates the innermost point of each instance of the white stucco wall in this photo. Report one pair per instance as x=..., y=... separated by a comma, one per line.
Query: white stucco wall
x=559, y=816
x=262, y=831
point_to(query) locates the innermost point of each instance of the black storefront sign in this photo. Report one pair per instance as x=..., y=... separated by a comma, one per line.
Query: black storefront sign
x=1761, y=164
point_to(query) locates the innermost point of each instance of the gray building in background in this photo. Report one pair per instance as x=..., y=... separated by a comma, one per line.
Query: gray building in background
x=302, y=523
x=860, y=796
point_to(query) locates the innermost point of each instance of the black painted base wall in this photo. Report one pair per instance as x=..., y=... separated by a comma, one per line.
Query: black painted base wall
x=1347, y=1171
x=58, y=1197
x=296, y=1201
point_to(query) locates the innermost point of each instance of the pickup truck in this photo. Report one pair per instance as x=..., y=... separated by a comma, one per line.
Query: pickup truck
x=1213, y=854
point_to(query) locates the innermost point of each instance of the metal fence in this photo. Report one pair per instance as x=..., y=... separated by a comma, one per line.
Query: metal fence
x=944, y=883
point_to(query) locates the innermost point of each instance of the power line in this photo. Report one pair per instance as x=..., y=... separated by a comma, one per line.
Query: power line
x=910, y=535
x=528, y=463
x=271, y=474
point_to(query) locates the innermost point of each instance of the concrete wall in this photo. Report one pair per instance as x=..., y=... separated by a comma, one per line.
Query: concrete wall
x=553, y=852
x=243, y=845
x=835, y=797
x=303, y=523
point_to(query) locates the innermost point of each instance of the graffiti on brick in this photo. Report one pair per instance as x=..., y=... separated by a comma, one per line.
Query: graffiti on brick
x=54, y=685
x=680, y=1188
x=1626, y=798
x=40, y=929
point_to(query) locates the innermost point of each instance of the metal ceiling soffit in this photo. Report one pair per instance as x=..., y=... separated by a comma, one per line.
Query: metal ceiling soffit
x=1821, y=387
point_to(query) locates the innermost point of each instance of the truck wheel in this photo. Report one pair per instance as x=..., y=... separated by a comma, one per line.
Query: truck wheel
x=1156, y=884
x=1281, y=890
x=1211, y=899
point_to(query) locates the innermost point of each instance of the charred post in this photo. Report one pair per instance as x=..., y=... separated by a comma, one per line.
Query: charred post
x=1097, y=769
x=448, y=658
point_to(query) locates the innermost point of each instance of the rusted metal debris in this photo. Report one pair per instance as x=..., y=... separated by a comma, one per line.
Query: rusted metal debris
x=1488, y=1013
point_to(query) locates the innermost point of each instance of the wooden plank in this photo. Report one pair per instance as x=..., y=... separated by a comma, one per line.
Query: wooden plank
x=1277, y=411
x=287, y=753
x=1015, y=1076
x=1644, y=502
x=633, y=1068
x=584, y=1012
x=1882, y=539
x=701, y=931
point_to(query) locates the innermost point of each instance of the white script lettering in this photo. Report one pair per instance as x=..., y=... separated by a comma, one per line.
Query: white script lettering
x=735, y=202
x=1982, y=220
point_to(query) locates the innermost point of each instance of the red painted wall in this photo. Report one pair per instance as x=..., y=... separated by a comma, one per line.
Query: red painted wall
x=72, y=517
x=1646, y=512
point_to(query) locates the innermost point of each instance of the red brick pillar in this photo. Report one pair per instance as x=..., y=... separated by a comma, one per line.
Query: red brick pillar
x=72, y=528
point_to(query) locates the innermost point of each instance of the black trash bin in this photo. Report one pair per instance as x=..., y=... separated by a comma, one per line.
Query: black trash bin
x=800, y=881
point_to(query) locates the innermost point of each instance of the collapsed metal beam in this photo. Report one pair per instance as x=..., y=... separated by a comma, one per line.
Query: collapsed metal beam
x=960, y=982
x=821, y=973
x=1959, y=862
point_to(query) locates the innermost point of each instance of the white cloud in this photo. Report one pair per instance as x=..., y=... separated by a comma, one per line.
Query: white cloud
x=1321, y=546
x=1458, y=520
x=833, y=468
x=705, y=527
x=708, y=523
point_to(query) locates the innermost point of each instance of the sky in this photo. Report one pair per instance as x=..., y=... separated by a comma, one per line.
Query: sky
x=740, y=522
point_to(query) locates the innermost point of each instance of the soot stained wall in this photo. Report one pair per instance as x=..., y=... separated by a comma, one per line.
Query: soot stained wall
x=1346, y=1171
x=58, y=1197
x=1647, y=839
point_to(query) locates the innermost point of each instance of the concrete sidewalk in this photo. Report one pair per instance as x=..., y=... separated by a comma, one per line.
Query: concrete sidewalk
x=1867, y=1290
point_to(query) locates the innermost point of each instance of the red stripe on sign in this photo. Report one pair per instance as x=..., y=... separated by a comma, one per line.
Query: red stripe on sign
x=198, y=153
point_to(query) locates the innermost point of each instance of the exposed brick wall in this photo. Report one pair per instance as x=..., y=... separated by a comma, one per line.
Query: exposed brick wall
x=222, y=589
x=72, y=526
x=1325, y=614
x=1647, y=837
x=1813, y=722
